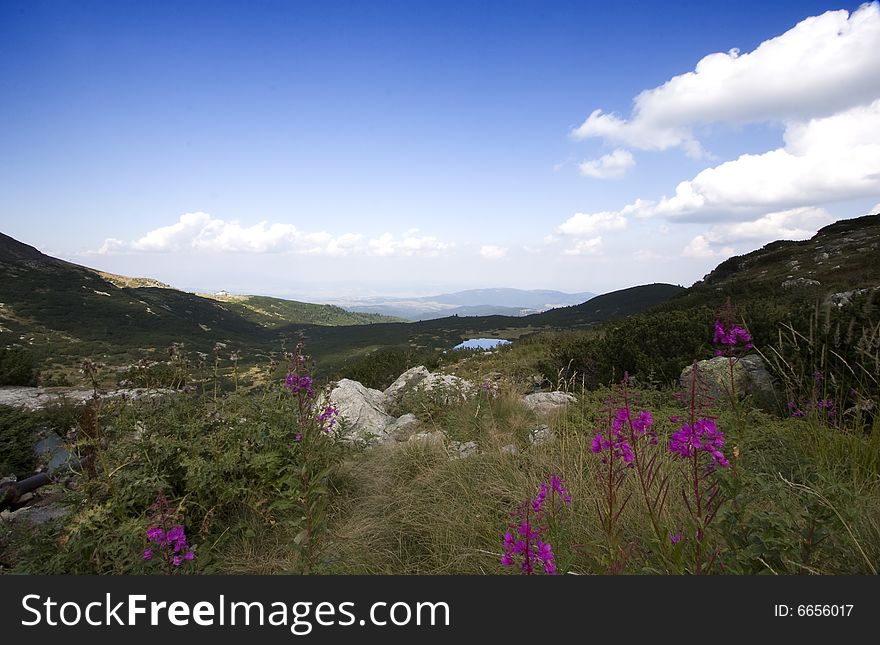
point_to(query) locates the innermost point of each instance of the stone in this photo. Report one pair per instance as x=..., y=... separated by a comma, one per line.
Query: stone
x=509, y=449
x=362, y=408
x=428, y=439
x=403, y=428
x=462, y=449
x=37, y=398
x=750, y=376
x=544, y=403
x=540, y=435
x=451, y=387
x=406, y=381
x=800, y=283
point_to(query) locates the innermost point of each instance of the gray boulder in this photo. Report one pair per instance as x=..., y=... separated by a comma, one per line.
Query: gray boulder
x=540, y=435
x=406, y=381
x=37, y=398
x=362, y=408
x=544, y=403
x=428, y=439
x=462, y=449
x=403, y=428
x=750, y=376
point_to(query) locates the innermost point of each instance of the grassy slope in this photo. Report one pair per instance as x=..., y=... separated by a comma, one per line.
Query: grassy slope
x=273, y=313
x=65, y=312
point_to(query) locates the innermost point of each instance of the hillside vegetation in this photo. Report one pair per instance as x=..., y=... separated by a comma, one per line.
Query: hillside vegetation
x=619, y=469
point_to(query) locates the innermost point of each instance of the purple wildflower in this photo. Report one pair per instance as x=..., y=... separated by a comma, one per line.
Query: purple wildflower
x=148, y=554
x=675, y=538
x=297, y=383
x=538, y=503
x=528, y=545
x=328, y=417
x=702, y=435
x=558, y=486
x=730, y=338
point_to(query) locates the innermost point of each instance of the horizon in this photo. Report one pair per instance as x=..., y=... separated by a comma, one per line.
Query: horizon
x=395, y=151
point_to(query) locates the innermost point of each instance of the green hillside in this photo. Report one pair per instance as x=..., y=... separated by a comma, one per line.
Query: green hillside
x=273, y=313
x=64, y=312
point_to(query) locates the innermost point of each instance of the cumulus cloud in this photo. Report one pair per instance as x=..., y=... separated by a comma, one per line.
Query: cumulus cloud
x=410, y=244
x=201, y=232
x=824, y=160
x=581, y=224
x=585, y=247
x=699, y=247
x=492, y=252
x=610, y=166
x=823, y=65
x=794, y=224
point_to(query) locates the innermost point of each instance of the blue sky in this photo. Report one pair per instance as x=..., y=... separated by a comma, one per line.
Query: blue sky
x=325, y=150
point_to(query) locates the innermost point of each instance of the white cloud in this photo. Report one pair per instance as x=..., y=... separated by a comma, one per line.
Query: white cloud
x=387, y=245
x=585, y=247
x=581, y=224
x=875, y=210
x=610, y=166
x=699, y=247
x=794, y=224
x=201, y=232
x=824, y=160
x=822, y=65
x=492, y=252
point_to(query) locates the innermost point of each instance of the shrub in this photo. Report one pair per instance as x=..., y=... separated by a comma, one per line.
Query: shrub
x=17, y=367
x=16, y=442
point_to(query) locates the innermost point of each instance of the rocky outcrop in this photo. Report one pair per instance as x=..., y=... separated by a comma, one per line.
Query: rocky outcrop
x=362, y=408
x=403, y=428
x=406, y=381
x=800, y=283
x=750, y=377
x=545, y=403
x=37, y=398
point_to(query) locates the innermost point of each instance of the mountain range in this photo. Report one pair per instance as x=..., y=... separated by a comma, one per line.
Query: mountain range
x=64, y=312
x=472, y=302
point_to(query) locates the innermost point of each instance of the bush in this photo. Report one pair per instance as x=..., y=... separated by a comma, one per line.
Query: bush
x=16, y=442
x=379, y=369
x=17, y=367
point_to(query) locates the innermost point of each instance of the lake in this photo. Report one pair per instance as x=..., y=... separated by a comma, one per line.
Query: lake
x=481, y=343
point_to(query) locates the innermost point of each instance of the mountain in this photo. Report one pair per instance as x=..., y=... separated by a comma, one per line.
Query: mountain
x=840, y=257
x=274, y=313
x=472, y=302
x=65, y=312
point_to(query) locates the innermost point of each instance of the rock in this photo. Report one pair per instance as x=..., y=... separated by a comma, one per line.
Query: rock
x=443, y=388
x=800, y=283
x=406, y=381
x=540, y=435
x=37, y=398
x=509, y=449
x=544, y=403
x=845, y=298
x=403, y=428
x=462, y=449
x=750, y=376
x=428, y=439
x=362, y=408
x=451, y=388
